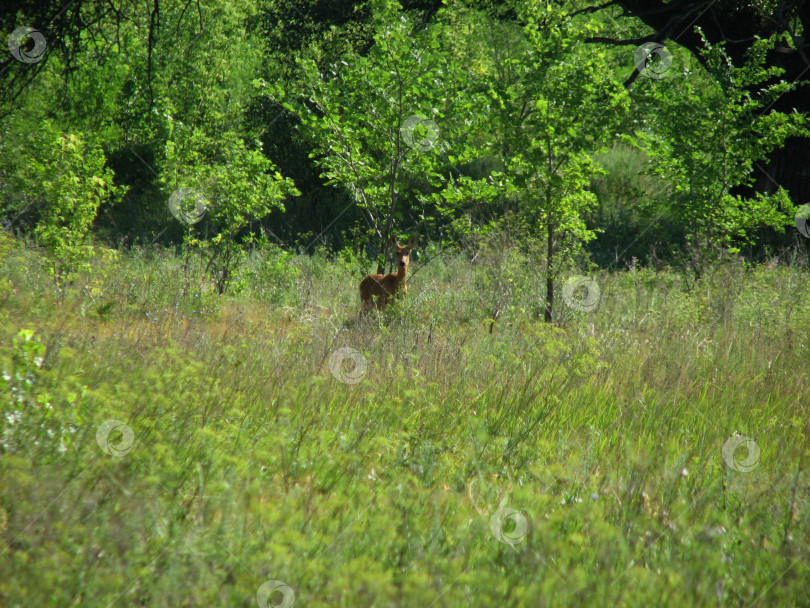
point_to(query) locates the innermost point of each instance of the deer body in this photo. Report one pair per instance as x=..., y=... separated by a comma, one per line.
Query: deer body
x=377, y=289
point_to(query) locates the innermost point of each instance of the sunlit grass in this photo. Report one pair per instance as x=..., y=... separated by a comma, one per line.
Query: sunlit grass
x=251, y=461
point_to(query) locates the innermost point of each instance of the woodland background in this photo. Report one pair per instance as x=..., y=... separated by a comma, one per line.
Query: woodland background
x=594, y=392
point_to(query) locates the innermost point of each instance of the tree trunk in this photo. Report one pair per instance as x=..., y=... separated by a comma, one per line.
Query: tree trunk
x=384, y=252
x=549, y=275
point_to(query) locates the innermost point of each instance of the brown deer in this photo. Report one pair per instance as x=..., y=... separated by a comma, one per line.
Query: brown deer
x=377, y=290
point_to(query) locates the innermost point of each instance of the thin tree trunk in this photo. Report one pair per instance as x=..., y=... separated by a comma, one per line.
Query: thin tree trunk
x=384, y=252
x=549, y=276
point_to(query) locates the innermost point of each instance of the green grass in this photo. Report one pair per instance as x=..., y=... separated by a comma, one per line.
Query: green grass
x=252, y=462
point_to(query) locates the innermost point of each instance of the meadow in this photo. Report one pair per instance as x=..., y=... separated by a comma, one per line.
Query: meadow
x=162, y=445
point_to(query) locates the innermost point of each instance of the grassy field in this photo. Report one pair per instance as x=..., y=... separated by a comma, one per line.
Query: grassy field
x=164, y=446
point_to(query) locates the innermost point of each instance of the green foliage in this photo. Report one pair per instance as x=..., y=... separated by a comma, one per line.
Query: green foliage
x=41, y=411
x=239, y=186
x=555, y=103
x=383, y=123
x=26, y=359
x=207, y=65
x=277, y=275
x=737, y=128
x=629, y=212
x=506, y=255
x=61, y=180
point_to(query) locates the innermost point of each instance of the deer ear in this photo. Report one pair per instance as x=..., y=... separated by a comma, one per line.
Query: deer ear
x=413, y=242
x=393, y=240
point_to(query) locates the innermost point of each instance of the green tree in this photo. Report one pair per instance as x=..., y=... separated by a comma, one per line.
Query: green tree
x=705, y=140
x=230, y=183
x=555, y=103
x=388, y=124
x=59, y=180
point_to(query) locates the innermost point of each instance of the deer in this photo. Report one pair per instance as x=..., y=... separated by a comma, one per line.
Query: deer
x=377, y=290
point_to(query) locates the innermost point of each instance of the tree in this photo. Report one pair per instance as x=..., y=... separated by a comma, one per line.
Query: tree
x=706, y=141
x=59, y=180
x=738, y=26
x=382, y=122
x=67, y=31
x=555, y=103
x=230, y=183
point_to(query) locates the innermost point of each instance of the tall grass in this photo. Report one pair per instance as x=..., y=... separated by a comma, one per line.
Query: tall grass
x=251, y=461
